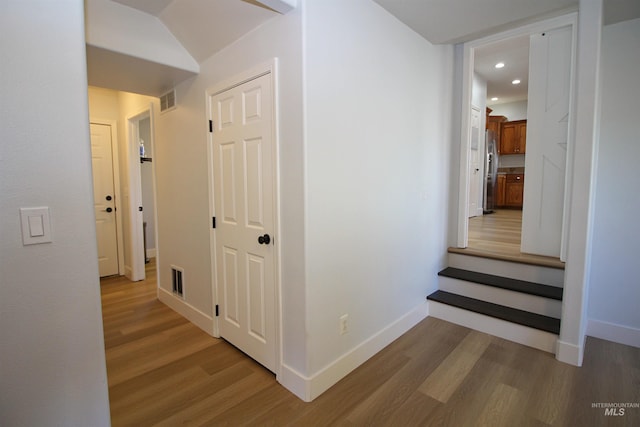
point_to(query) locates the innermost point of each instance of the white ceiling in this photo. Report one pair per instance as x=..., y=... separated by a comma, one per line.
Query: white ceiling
x=205, y=27
x=514, y=53
x=454, y=21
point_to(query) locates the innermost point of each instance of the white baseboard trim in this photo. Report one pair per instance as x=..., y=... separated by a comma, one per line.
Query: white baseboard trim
x=520, y=334
x=570, y=353
x=308, y=388
x=151, y=253
x=195, y=316
x=295, y=382
x=613, y=332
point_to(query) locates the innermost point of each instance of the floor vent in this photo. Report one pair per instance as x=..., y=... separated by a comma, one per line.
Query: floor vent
x=177, y=280
x=168, y=101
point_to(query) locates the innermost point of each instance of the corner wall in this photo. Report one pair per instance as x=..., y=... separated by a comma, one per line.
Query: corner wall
x=615, y=288
x=378, y=123
x=182, y=180
x=52, y=367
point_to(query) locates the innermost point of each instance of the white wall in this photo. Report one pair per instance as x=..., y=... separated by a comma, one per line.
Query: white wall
x=511, y=110
x=182, y=177
x=479, y=93
x=378, y=141
x=52, y=366
x=615, y=288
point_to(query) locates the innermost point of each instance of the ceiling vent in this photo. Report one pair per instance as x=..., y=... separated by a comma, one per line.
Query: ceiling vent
x=168, y=101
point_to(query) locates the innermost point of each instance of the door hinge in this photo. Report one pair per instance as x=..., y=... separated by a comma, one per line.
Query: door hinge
x=217, y=310
x=213, y=222
x=211, y=126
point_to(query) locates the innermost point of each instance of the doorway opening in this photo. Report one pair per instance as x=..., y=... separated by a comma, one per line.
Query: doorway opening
x=496, y=227
x=516, y=210
x=142, y=195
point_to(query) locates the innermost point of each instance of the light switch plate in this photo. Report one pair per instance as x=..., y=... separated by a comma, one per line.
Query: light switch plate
x=36, y=225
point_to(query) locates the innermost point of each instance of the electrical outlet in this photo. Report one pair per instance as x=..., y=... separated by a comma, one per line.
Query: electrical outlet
x=343, y=324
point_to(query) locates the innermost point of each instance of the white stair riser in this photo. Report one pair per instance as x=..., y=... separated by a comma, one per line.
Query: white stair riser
x=526, y=302
x=513, y=270
x=531, y=337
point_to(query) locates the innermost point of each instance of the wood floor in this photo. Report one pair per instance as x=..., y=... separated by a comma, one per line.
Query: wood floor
x=497, y=235
x=163, y=370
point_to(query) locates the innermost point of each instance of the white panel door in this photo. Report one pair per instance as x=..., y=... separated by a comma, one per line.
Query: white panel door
x=550, y=76
x=104, y=199
x=475, y=181
x=243, y=168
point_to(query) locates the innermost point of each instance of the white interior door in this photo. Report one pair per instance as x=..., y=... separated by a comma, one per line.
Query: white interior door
x=475, y=182
x=550, y=72
x=104, y=199
x=243, y=168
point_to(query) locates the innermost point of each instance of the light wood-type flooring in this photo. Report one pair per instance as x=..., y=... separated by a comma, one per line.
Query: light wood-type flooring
x=162, y=370
x=497, y=235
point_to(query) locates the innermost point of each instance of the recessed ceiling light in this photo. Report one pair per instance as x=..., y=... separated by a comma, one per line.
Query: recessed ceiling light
x=495, y=98
x=500, y=65
x=516, y=82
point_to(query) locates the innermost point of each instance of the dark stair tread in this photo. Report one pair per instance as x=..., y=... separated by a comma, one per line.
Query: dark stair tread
x=522, y=286
x=521, y=317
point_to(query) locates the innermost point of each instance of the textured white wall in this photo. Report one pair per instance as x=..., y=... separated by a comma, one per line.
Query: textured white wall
x=615, y=288
x=52, y=366
x=378, y=141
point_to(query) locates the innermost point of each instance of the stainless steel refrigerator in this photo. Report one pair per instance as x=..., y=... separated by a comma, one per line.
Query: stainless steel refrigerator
x=491, y=172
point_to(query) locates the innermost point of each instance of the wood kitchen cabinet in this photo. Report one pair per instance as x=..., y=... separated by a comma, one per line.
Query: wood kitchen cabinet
x=493, y=124
x=513, y=190
x=513, y=137
x=500, y=189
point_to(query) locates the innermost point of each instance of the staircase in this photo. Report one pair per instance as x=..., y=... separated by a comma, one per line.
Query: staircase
x=511, y=300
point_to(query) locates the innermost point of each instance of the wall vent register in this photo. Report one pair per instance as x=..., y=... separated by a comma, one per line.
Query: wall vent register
x=177, y=282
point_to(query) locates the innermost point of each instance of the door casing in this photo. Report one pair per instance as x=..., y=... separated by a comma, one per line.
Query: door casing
x=462, y=228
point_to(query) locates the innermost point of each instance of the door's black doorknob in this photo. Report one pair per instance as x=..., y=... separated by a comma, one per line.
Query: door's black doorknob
x=264, y=240
x=108, y=209
x=108, y=198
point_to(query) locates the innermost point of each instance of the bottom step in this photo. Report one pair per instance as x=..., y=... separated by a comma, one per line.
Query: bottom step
x=480, y=315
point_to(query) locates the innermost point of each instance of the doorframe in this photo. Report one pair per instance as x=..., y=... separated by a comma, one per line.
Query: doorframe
x=135, y=193
x=465, y=126
x=263, y=69
x=113, y=124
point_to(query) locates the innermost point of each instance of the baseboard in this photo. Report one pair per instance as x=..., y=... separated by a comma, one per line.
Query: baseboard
x=570, y=353
x=613, y=332
x=186, y=310
x=151, y=253
x=295, y=382
x=308, y=388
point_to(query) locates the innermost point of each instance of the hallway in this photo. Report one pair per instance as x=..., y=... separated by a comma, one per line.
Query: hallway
x=163, y=370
